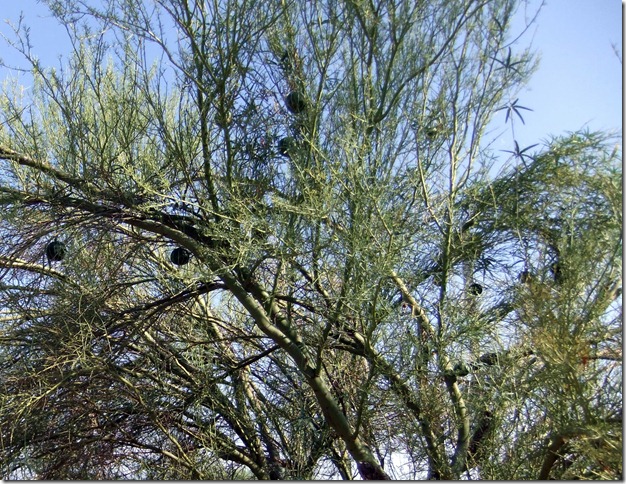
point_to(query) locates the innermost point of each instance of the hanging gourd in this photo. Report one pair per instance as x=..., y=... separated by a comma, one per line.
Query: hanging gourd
x=285, y=145
x=295, y=102
x=432, y=132
x=467, y=225
x=55, y=251
x=180, y=256
x=489, y=359
x=290, y=60
x=525, y=277
x=475, y=289
x=557, y=272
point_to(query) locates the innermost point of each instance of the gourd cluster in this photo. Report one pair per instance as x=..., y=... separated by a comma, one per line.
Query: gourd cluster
x=295, y=102
x=56, y=251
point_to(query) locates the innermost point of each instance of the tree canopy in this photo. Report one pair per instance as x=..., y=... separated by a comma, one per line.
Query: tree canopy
x=275, y=240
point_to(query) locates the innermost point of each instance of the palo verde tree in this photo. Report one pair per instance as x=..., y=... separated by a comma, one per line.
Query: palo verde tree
x=269, y=240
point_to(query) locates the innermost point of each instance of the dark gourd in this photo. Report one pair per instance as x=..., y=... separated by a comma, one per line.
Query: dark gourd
x=475, y=289
x=432, y=132
x=55, y=251
x=525, y=277
x=285, y=145
x=180, y=256
x=295, y=102
x=557, y=272
x=489, y=359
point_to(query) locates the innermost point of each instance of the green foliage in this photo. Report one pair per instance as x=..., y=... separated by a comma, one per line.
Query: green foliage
x=352, y=296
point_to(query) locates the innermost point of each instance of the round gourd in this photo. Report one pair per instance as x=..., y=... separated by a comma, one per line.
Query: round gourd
x=295, y=102
x=285, y=145
x=467, y=225
x=55, y=251
x=180, y=256
x=557, y=272
x=525, y=277
x=432, y=132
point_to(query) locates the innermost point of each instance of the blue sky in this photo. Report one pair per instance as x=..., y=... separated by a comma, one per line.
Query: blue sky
x=579, y=80
x=578, y=83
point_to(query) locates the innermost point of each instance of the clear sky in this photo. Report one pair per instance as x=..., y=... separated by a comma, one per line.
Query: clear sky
x=578, y=84
x=579, y=80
